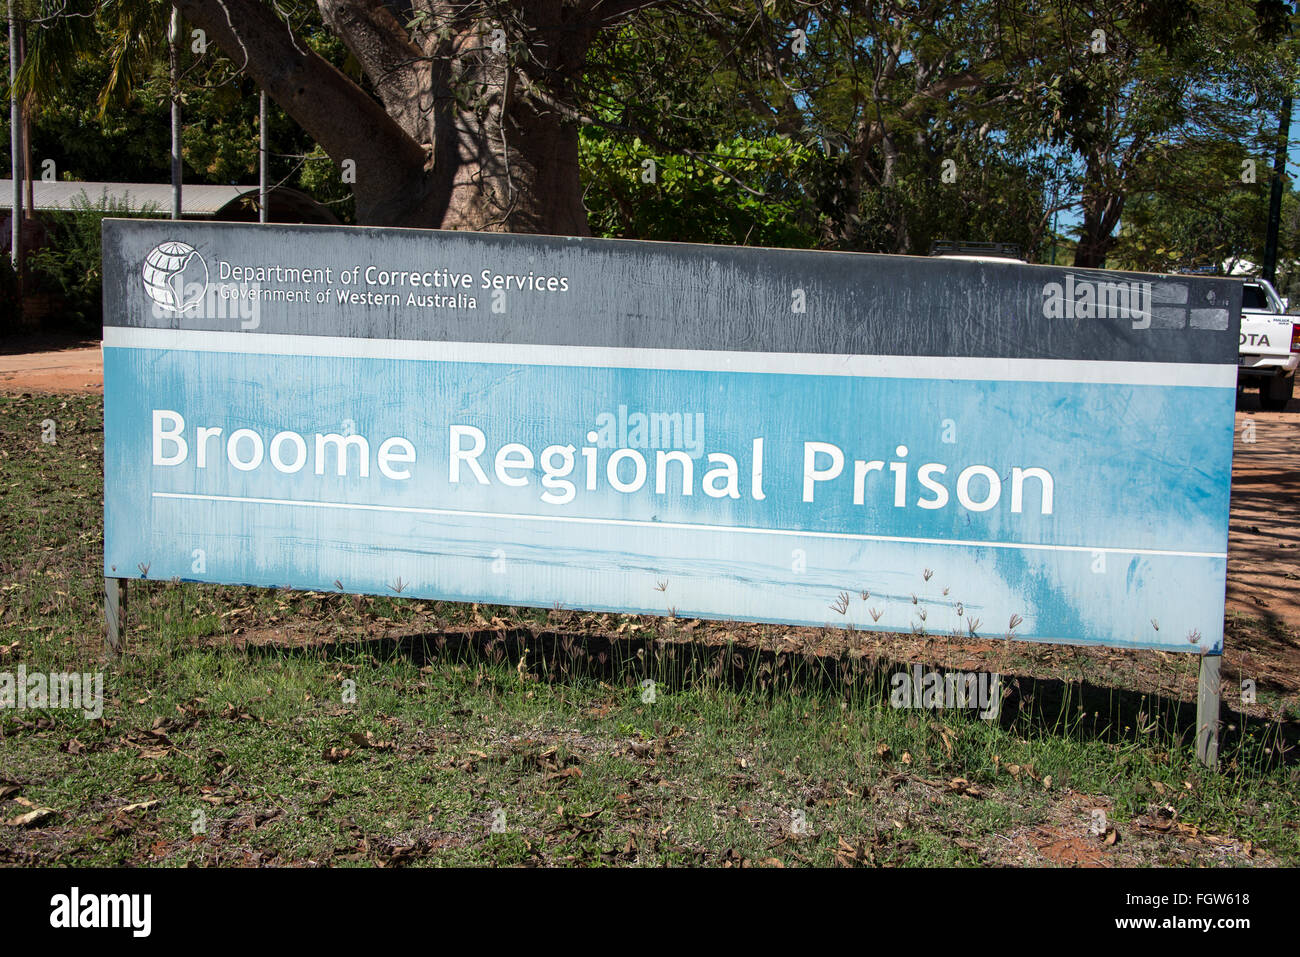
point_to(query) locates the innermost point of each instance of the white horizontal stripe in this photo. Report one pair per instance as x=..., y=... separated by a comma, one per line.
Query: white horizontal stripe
x=1221, y=376
x=688, y=526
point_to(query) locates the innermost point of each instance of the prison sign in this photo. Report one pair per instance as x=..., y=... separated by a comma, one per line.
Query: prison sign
x=883, y=442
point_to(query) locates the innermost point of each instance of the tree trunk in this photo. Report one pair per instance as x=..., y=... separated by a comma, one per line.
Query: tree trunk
x=1093, y=245
x=516, y=165
x=1101, y=212
x=1097, y=232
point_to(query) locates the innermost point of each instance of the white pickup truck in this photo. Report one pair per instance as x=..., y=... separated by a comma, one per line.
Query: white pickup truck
x=1270, y=345
x=1270, y=340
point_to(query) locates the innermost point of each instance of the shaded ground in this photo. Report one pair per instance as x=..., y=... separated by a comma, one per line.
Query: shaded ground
x=1264, y=528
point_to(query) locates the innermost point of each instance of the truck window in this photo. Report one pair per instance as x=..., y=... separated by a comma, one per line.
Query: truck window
x=1253, y=297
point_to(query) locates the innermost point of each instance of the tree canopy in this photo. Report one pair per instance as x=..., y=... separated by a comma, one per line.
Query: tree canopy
x=877, y=124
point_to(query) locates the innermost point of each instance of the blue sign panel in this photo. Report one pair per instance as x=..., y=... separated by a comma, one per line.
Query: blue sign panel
x=891, y=443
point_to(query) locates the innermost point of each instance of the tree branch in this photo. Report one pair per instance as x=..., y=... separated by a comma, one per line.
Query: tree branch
x=387, y=54
x=607, y=13
x=344, y=119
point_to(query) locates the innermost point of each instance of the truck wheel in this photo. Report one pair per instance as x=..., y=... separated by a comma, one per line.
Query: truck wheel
x=1276, y=392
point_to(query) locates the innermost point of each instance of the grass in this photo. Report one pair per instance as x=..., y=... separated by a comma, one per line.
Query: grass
x=256, y=726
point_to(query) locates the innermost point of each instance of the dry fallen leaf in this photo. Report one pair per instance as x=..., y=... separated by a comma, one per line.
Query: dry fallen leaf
x=566, y=773
x=946, y=735
x=31, y=818
x=367, y=740
x=143, y=805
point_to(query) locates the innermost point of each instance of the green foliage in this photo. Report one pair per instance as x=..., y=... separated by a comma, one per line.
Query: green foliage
x=127, y=144
x=743, y=192
x=1161, y=114
x=101, y=110
x=838, y=145
x=70, y=264
x=1169, y=234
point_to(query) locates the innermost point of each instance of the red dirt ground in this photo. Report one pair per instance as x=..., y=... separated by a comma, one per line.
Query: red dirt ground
x=51, y=365
x=1264, y=528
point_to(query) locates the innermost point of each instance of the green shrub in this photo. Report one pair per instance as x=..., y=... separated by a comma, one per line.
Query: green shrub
x=70, y=264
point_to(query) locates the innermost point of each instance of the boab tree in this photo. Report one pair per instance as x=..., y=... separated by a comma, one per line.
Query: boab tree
x=471, y=123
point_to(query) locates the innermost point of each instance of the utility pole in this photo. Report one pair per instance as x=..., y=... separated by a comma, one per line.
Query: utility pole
x=29, y=203
x=1269, y=270
x=1269, y=267
x=262, y=192
x=15, y=150
x=173, y=66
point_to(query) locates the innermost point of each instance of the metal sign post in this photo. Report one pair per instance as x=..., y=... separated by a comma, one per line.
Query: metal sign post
x=1207, y=710
x=115, y=614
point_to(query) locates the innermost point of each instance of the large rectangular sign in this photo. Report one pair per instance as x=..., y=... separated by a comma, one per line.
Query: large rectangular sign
x=895, y=443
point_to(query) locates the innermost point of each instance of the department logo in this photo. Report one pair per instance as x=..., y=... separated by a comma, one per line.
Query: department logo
x=175, y=276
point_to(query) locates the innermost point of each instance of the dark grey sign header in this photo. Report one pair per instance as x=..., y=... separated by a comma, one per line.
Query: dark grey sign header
x=434, y=285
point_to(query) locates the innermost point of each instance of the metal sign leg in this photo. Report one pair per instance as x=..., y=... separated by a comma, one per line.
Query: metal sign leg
x=115, y=614
x=1207, y=711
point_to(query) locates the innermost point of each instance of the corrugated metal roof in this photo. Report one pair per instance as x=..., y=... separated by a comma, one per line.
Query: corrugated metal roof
x=196, y=200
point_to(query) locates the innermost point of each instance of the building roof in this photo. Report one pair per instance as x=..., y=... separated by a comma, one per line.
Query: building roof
x=198, y=201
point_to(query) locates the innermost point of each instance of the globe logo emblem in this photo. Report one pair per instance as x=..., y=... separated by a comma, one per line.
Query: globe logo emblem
x=175, y=276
